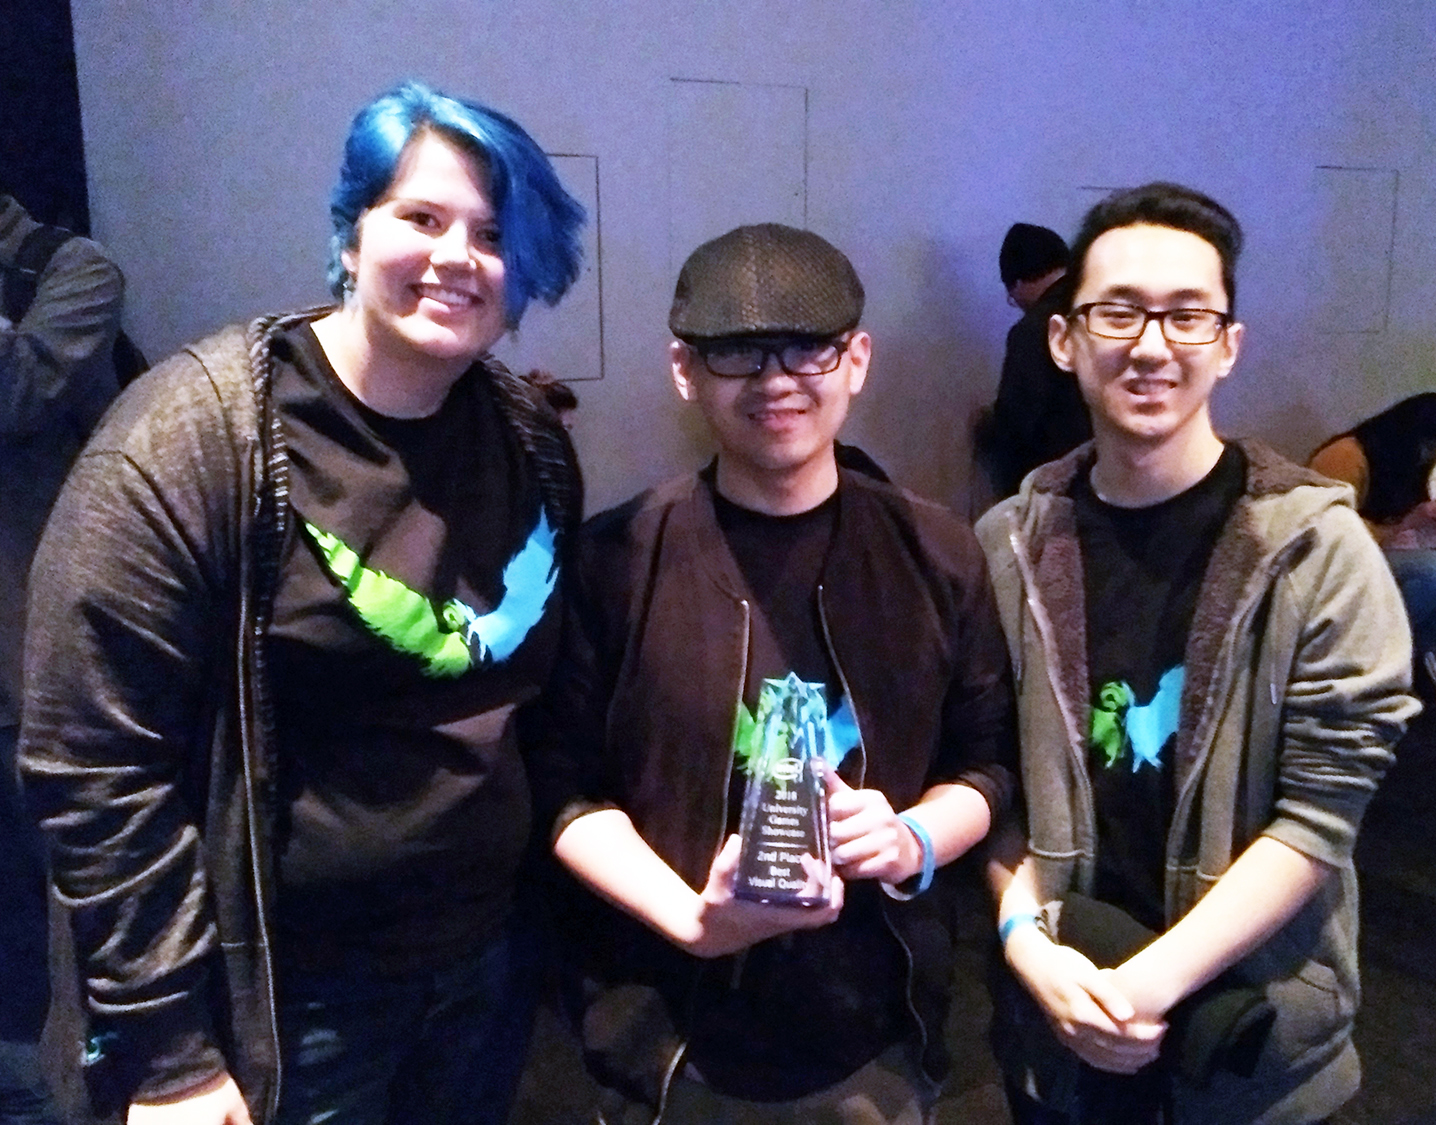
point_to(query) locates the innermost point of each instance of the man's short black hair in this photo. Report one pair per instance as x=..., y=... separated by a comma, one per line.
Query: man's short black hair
x=1161, y=204
x=1029, y=252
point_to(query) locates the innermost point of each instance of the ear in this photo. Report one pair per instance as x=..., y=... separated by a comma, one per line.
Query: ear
x=1230, y=344
x=1059, y=340
x=680, y=357
x=859, y=354
x=349, y=259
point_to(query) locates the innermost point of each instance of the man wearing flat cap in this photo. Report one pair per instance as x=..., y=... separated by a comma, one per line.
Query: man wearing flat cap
x=772, y=566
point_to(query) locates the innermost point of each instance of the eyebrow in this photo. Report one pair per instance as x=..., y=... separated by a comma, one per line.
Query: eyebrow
x=432, y=204
x=1132, y=293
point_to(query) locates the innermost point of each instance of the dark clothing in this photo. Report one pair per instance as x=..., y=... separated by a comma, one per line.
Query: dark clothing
x=663, y=629
x=447, y=1049
x=1297, y=672
x=1400, y=448
x=148, y=741
x=754, y=1042
x=782, y=559
x=1142, y=568
x=56, y=378
x=858, y=460
x=22, y=909
x=1039, y=414
x=404, y=804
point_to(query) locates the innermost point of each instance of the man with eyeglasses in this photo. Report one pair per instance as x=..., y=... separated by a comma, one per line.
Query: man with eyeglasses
x=771, y=563
x=1214, y=667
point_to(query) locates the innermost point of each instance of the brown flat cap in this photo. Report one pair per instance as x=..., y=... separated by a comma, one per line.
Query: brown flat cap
x=767, y=279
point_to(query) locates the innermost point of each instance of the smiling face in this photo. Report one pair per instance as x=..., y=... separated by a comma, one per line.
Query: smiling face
x=428, y=280
x=774, y=431
x=1147, y=392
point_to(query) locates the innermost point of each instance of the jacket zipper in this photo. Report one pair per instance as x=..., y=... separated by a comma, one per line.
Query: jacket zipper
x=722, y=836
x=922, y=1032
x=275, y=473
x=1274, y=569
x=246, y=727
x=1075, y=738
x=742, y=683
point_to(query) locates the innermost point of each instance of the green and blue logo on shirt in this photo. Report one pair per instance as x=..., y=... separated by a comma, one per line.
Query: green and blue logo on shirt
x=1120, y=724
x=454, y=637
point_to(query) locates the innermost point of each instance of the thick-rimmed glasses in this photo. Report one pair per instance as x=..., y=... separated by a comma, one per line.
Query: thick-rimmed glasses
x=1113, y=320
x=743, y=358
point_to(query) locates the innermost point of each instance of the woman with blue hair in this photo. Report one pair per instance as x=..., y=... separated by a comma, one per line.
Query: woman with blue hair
x=287, y=613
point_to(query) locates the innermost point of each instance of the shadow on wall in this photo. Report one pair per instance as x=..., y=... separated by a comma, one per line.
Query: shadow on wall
x=1348, y=376
x=932, y=370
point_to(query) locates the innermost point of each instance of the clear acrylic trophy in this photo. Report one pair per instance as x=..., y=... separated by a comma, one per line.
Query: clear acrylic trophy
x=784, y=826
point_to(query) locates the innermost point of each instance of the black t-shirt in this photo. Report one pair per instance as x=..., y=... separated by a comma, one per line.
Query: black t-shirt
x=1142, y=569
x=412, y=616
x=781, y=558
x=806, y=1009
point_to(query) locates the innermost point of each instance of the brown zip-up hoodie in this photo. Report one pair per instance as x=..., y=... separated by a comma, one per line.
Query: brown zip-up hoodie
x=661, y=629
x=147, y=743
x=1297, y=685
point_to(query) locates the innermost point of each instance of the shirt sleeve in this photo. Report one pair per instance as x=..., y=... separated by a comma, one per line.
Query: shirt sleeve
x=979, y=724
x=57, y=357
x=1348, y=699
x=129, y=654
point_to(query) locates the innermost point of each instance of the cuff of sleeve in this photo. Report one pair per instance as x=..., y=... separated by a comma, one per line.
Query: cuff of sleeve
x=149, y=1056
x=572, y=811
x=1333, y=845
x=996, y=785
x=186, y=1063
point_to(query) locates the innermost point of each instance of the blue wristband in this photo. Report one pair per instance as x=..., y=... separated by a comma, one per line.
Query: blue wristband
x=1004, y=931
x=929, y=857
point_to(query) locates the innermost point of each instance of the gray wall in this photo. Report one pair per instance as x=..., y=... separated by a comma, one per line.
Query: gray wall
x=922, y=130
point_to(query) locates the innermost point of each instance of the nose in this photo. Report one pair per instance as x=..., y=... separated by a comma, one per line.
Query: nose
x=1152, y=342
x=773, y=373
x=452, y=247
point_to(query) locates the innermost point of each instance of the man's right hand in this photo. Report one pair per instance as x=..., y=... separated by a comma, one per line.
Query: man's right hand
x=727, y=924
x=1086, y=1010
x=214, y=1102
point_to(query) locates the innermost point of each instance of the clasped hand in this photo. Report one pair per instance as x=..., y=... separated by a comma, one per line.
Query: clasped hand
x=1086, y=1006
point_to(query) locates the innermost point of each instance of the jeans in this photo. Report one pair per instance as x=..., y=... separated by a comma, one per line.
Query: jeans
x=1415, y=572
x=24, y=969
x=24, y=1098
x=444, y=1047
x=24, y=961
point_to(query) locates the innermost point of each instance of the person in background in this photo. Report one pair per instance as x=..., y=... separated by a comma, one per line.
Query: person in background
x=559, y=395
x=1039, y=414
x=285, y=616
x=772, y=564
x=1216, y=666
x=1390, y=460
x=62, y=297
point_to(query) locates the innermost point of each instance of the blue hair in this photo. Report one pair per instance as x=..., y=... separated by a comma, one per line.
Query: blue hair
x=539, y=221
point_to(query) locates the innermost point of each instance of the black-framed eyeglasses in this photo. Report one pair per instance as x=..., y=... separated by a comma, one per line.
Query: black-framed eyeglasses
x=743, y=358
x=1114, y=320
